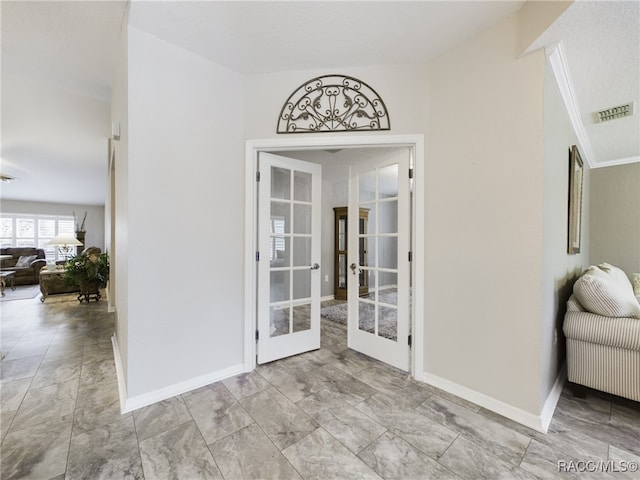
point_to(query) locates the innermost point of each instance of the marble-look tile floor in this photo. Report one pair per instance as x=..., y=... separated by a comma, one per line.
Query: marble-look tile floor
x=332, y=413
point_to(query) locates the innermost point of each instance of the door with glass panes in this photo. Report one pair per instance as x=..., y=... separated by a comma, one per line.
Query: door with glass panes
x=378, y=323
x=289, y=256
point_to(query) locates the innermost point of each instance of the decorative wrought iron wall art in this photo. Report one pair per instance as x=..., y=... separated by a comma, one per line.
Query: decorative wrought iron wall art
x=333, y=103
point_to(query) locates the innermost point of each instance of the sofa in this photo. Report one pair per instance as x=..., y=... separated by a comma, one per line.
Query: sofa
x=602, y=327
x=25, y=261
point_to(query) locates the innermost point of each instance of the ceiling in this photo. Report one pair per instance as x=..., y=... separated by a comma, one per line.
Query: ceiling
x=602, y=46
x=57, y=66
x=58, y=60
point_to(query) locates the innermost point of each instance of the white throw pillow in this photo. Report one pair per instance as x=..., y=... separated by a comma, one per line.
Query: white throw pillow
x=25, y=260
x=617, y=275
x=602, y=290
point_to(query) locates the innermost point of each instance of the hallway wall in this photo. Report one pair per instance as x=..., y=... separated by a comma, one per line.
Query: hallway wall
x=184, y=220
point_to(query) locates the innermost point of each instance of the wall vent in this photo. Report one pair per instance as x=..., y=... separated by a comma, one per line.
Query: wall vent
x=613, y=113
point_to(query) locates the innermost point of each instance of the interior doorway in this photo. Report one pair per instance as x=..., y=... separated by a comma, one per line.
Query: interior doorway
x=348, y=153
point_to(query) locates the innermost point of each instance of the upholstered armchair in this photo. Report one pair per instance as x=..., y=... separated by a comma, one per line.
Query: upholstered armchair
x=602, y=326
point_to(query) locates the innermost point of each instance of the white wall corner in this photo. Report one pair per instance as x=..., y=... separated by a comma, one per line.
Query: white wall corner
x=560, y=68
x=509, y=411
x=552, y=399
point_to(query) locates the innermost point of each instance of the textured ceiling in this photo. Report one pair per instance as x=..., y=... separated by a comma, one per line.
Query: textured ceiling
x=73, y=44
x=602, y=46
x=58, y=60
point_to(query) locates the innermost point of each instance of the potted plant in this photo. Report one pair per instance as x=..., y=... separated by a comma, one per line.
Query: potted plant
x=88, y=271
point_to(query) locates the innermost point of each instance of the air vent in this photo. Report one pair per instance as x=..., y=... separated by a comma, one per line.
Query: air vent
x=615, y=112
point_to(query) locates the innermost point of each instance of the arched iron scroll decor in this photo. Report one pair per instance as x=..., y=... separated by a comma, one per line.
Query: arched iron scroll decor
x=333, y=103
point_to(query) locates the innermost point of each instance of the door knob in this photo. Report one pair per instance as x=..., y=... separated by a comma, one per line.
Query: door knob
x=353, y=267
x=315, y=266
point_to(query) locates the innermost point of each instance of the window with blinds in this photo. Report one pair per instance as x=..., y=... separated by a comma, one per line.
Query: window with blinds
x=17, y=230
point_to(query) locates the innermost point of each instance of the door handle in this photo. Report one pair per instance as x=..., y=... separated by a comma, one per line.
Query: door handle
x=353, y=267
x=315, y=266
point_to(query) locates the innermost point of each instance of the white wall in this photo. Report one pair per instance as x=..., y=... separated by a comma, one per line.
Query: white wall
x=94, y=224
x=482, y=110
x=401, y=87
x=560, y=269
x=185, y=216
x=120, y=261
x=484, y=218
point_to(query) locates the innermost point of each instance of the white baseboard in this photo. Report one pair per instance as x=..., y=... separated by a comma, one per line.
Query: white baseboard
x=328, y=297
x=122, y=384
x=130, y=404
x=539, y=423
x=552, y=399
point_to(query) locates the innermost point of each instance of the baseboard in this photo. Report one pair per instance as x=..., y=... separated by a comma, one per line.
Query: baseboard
x=122, y=384
x=130, y=404
x=328, y=297
x=516, y=414
x=155, y=396
x=552, y=399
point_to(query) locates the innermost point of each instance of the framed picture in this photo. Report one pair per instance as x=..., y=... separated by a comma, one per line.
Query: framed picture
x=575, y=200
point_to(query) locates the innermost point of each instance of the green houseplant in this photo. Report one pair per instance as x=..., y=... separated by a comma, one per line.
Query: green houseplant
x=89, y=272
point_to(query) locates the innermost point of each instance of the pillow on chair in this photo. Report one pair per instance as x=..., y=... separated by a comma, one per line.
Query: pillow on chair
x=605, y=290
x=25, y=261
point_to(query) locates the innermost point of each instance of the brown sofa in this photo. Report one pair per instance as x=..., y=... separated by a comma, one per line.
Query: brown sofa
x=29, y=273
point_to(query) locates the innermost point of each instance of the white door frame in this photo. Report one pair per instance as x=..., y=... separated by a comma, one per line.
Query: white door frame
x=416, y=144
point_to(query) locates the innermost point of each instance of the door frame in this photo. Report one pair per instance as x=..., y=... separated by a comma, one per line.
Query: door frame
x=416, y=145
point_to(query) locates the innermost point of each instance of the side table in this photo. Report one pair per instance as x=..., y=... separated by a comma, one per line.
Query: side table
x=52, y=281
x=4, y=276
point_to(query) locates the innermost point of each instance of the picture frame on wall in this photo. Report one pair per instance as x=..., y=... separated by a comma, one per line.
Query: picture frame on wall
x=575, y=200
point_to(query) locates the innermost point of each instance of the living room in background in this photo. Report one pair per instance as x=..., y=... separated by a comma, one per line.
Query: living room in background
x=19, y=230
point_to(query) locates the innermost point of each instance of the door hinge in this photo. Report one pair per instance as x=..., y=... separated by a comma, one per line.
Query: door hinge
x=410, y=256
x=257, y=335
x=411, y=173
x=257, y=176
x=257, y=256
x=409, y=342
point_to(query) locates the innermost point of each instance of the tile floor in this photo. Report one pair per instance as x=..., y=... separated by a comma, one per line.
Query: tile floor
x=332, y=413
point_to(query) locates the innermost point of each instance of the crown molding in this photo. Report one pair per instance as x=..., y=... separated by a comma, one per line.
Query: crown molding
x=619, y=161
x=558, y=62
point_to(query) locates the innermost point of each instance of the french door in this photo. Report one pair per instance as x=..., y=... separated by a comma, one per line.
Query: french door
x=289, y=255
x=378, y=323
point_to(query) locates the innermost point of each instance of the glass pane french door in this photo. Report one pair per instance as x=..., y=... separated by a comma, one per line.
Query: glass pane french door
x=289, y=249
x=379, y=261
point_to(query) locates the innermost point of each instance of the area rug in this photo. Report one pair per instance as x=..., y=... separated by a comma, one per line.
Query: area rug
x=387, y=317
x=22, y=292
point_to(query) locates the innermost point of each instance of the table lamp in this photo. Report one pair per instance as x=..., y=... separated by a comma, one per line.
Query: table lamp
x=65, y=243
